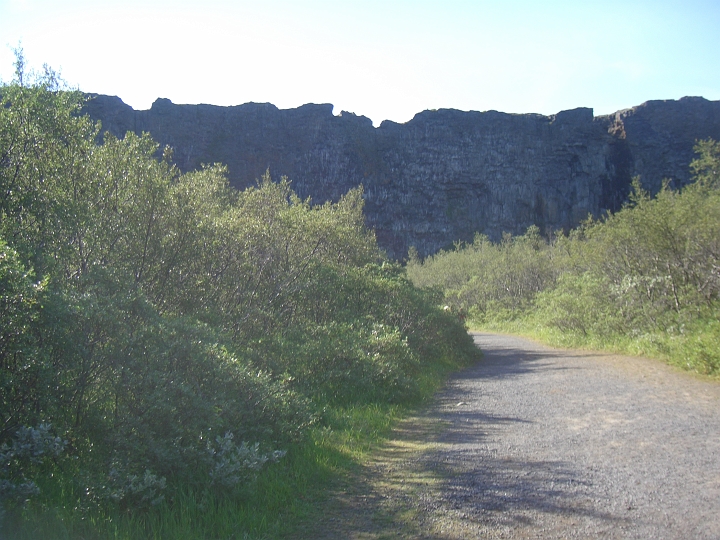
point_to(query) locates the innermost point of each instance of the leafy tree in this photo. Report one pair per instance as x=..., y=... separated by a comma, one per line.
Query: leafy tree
x=173, y=330
x=21, y=365
x=706, y=167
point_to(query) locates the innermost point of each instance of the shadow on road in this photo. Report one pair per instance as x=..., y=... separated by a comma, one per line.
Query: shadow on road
x=444, y=475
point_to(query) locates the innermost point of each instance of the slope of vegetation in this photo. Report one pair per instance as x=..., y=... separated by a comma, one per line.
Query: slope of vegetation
x=179, y=359
x=644, y=280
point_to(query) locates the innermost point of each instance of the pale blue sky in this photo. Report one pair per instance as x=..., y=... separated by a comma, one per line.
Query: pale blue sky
x=382, y=59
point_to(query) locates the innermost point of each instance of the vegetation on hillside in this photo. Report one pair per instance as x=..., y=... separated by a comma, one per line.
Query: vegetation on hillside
x=645, y=279
x=176, y=356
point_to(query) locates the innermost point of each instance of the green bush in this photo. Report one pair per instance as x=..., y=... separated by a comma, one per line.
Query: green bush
x=579, y=304
x=22, y=364
x=644, y=278
x=484, y=278
x=180, y=335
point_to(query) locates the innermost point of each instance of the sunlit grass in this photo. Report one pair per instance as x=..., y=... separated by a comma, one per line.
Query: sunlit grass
x=694, y=348
x=286, y=494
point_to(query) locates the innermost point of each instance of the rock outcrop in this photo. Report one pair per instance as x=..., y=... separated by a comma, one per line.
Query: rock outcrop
x=445, y=174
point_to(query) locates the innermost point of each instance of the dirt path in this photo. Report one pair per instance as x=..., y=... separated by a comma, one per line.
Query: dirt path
x=535, y=442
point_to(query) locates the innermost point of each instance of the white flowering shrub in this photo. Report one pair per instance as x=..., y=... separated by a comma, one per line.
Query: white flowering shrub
x=131, y=491
x=21, y=459
x=233, y=464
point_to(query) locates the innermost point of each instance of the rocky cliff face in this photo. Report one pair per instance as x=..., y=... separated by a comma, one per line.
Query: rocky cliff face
x=445, y=174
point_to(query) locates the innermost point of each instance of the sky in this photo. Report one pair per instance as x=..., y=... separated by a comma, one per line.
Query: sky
x=385, y=59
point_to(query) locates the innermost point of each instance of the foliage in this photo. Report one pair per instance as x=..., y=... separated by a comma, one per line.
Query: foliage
x=645, y=278
x=137, y=492
x=177, y=332
x=706, y=167
x=233, y=464
x=28, y=453
x=577, y=305
x=20, y=364
x=483, y=278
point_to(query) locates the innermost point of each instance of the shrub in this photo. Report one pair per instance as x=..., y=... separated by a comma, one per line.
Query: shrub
x=26, y=456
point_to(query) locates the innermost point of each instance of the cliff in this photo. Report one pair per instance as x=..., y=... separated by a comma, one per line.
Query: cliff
x=445, y=174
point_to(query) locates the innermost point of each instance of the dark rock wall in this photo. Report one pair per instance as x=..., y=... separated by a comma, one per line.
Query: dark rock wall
x=445, y=174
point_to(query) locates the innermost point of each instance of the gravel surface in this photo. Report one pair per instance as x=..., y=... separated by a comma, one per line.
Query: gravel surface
x=535, y=442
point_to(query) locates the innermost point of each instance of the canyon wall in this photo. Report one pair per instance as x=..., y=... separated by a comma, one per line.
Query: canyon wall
x=445, y=174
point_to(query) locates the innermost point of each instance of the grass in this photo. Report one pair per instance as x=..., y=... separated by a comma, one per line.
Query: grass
x=286, y=495
x=695, y=348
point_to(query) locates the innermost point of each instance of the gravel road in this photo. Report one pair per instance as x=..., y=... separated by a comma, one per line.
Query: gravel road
x=535, y=442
